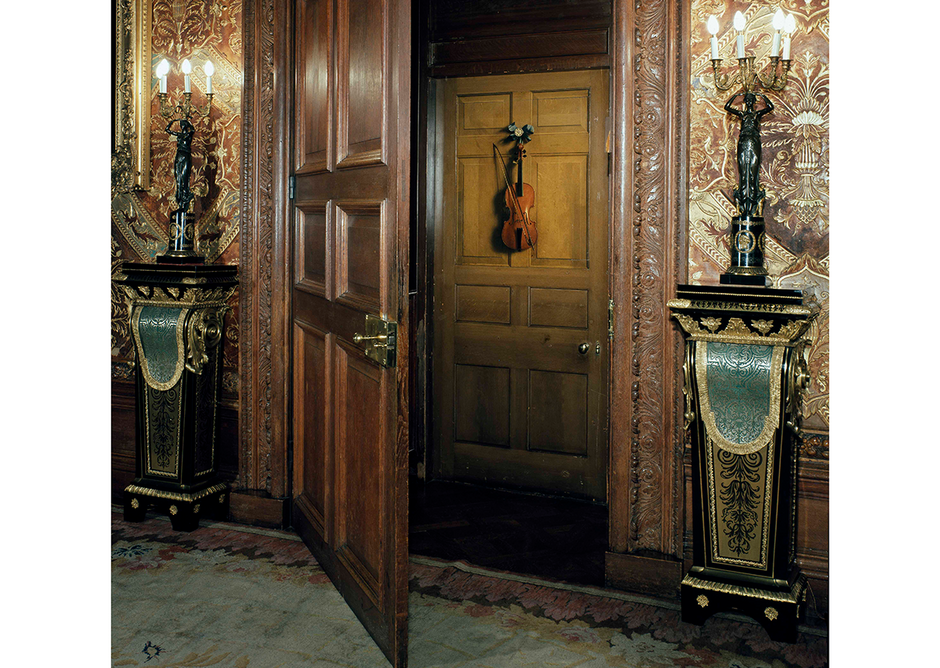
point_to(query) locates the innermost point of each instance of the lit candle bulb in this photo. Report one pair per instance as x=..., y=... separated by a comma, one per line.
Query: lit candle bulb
x=209, y=69
x=788, y=28
x=739, y=27
x=778, y=26
x=712, y=26
x=187, y=70
x=162, y=70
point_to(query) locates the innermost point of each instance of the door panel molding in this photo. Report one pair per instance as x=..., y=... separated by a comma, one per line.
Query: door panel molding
x=313, y=468
x=362, y=255
x=313, y=261
x=362, y=127
x=315, y=90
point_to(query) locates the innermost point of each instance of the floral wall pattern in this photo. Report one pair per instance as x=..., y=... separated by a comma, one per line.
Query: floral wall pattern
x=794, y=171
x=200, y=30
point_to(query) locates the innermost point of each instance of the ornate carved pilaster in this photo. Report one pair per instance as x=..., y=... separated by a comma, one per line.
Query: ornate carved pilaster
x=650, y=116
x=262, y=317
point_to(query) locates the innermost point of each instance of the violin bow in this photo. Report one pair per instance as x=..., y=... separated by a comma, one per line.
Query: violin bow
x=525, y=217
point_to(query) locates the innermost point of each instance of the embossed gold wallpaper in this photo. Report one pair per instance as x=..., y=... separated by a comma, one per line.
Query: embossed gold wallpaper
x=200, y=30
x=794, y=171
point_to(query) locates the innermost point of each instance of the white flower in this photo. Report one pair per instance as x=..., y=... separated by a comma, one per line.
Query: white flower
x=518, y=132
x=641, y=650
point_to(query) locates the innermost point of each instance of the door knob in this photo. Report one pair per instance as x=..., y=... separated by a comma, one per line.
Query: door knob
x=583, y=348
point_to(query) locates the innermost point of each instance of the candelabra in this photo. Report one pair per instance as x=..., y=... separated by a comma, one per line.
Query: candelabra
x=181, y=243
x=747, y=228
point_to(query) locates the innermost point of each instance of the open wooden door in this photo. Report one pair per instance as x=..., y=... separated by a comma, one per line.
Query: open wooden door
x=351, y=155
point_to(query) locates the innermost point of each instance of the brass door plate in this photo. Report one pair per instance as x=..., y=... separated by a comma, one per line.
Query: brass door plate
x=380, y=341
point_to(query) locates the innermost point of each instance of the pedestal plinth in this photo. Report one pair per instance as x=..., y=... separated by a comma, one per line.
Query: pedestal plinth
x=744, y=375
x=181, y=248
x=747, y=252
x=176, y=319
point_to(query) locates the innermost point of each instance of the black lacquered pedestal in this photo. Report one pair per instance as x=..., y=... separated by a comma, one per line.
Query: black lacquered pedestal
x=744, y=374
x=176, y=313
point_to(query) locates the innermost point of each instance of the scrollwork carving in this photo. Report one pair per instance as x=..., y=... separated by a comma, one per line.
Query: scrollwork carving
x=655, y=487
x=258, y=248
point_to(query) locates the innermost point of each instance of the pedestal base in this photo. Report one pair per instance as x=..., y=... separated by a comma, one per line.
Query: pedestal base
x=184, y=509
x=779, y=612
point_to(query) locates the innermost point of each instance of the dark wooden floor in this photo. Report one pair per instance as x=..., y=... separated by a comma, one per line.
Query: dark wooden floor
x=549, y=537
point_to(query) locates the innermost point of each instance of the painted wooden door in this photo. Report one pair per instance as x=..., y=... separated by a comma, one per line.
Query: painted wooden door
x=350, y=229
x=521, y=352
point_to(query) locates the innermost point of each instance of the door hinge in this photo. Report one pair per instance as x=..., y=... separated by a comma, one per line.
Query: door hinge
x=291, y=186
x=610, y=319
x=380, y=340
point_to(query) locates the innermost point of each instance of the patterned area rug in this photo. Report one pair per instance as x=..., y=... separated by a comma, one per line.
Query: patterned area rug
x=232, y=596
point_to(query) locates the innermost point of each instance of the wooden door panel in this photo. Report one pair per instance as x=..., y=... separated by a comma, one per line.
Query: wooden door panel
x=314, y=51
x=483, y=303
x=558, y=410
x=311, y=243
x=350, y=243
x=362, y=42
x=561, y=215
x=483, y=114
x=360, y=468
x=482, y=404
x=478, y=237
x=558, y=307
x=519, y=404
x=313, y=461
x=562, y=110
x=362, y=257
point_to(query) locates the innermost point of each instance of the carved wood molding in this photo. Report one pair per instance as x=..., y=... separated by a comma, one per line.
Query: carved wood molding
x=263, y=441
x=650, y=117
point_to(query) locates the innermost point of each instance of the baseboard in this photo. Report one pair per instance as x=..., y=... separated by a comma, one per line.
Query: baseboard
x=640, y=574
x=259, y=509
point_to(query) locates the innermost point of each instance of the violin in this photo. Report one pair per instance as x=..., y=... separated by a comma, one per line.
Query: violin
x=519, y=232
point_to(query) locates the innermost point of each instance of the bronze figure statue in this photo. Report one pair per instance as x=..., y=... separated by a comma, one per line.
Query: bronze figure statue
x=183, y=163
x=749, y=195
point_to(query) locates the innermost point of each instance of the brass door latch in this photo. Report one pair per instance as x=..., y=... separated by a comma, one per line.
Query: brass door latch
x=380, y=339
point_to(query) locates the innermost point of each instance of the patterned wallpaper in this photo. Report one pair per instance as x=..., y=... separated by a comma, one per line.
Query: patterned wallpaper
x=794, y=170
x=199, y=30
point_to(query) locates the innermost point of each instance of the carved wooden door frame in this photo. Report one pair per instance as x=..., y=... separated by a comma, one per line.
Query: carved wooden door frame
x=649, y=203
x=648, y=223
